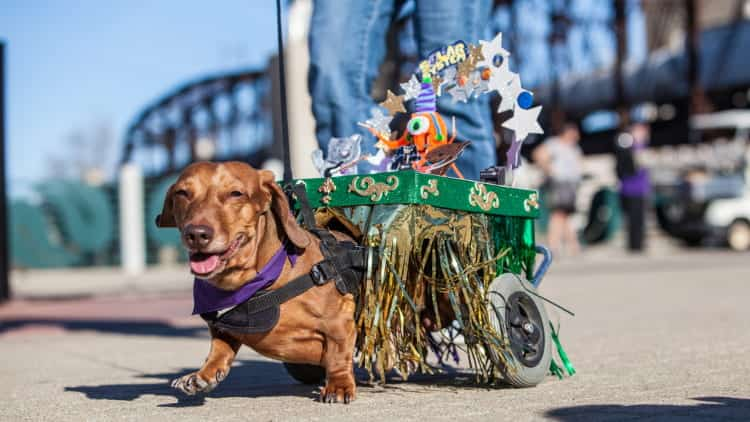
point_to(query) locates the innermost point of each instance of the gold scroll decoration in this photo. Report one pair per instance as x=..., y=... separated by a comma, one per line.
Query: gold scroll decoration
x=479, y=197
x=429, y=188
x=531, y=202
x=326, y=188
x=375, y=190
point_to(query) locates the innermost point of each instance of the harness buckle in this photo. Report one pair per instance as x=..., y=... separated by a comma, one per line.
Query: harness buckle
x=322, y=272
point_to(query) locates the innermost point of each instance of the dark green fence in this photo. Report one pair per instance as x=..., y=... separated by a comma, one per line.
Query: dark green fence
x=74, y=224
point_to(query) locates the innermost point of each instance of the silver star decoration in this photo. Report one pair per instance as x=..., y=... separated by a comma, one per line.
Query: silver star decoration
x=379, y=121
x=459, y=93
x=492, y=48
x=524, y=122
x=478, y=85
x=510, y=93
x=499, y=78
x=449, y=75
x=482, y=87
x=411, y=88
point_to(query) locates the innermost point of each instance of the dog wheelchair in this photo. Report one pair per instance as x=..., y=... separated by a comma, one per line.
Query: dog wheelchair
x=451, y=269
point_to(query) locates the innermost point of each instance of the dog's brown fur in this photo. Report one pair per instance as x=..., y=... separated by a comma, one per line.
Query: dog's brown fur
x=316, y=327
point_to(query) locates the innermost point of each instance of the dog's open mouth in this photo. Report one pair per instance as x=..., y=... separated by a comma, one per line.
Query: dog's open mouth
x=202, y=263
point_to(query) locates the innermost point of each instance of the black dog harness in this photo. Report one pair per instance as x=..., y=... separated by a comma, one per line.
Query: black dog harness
x=343, y=263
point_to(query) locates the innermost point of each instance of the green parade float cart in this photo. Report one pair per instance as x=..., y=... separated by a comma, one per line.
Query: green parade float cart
x=437, y=242
x=451, y=263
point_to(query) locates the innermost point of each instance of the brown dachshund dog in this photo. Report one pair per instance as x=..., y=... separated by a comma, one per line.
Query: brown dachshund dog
x=232, y=219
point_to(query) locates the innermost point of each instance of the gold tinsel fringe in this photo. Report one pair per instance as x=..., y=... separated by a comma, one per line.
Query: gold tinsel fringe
x=417, y=254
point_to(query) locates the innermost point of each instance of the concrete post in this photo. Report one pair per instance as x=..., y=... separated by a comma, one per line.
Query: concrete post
x=132, y=229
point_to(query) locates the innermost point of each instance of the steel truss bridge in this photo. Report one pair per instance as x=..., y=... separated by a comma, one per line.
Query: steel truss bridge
x=223, y=117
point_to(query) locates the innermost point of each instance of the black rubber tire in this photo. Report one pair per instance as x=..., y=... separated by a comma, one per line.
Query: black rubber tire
x=306, y=374
x=523, y=374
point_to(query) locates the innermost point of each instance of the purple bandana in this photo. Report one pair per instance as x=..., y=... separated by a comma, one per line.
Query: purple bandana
x=207, y=298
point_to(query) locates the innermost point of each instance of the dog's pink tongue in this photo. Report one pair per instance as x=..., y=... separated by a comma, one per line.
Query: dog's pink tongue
x=205, y=265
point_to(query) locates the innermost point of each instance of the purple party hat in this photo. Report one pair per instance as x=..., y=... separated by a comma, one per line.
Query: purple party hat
x=426, y=99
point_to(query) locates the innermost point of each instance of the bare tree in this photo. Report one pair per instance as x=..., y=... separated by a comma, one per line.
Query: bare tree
x=87, y=153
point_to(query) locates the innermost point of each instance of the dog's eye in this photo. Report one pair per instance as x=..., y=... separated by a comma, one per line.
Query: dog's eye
x=183, y=193
x=236, y=194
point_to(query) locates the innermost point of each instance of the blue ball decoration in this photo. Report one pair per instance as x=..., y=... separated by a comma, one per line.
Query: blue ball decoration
x=497, y=60
x=525, y=100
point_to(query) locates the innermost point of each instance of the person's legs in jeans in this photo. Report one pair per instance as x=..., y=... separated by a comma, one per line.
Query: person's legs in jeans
x=437, y=24
x=347, y=45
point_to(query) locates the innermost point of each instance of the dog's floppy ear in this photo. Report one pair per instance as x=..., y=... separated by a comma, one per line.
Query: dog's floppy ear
x=280, y=207
x=166, y=218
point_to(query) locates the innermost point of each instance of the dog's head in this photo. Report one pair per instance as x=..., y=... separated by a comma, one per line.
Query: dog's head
x=224, y=212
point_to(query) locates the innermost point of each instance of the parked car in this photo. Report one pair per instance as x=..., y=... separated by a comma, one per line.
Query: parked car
x=711, y=203
x=730, y=218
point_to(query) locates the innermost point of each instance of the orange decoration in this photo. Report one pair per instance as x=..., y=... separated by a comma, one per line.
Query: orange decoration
x=426, y=131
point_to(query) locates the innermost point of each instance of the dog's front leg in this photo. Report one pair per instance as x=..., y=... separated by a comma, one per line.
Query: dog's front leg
x=216, y=367
x=339, y=350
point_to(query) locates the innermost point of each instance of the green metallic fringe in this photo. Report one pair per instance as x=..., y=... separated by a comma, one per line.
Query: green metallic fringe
x=555, y=368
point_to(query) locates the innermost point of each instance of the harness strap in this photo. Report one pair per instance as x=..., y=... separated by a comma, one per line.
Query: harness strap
x=276, y=297
x=344, y=256
x=320, y=273
x=308, y=218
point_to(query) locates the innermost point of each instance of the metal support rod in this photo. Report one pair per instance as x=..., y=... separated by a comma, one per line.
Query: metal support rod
x=4, y=267
x=543, y=267
x=282, y=91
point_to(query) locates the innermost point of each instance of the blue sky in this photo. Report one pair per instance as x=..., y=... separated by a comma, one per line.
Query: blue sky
x=72, y=64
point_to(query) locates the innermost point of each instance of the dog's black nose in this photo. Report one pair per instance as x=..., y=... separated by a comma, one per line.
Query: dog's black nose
x=197, y=236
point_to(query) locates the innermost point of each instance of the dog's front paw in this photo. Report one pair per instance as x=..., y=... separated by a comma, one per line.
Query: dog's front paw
x=191, y=384
x=341, y=392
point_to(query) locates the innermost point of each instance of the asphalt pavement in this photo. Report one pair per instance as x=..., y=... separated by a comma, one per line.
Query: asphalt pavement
x=661, y=337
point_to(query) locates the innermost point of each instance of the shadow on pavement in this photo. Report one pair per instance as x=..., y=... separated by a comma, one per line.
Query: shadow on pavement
x=710, y=408
x=248, y=378
x=448, y=377
x=115, y=326
x=259, y=378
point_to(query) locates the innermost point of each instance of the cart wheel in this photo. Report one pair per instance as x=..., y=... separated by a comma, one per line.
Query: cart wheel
x=306, y=374
x=521, y=317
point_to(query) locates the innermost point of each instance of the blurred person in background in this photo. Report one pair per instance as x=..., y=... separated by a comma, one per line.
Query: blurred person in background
x=348, y=44
x=635, y=184
x=560, y=158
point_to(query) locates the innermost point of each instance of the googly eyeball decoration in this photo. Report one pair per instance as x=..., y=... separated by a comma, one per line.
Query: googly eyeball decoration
x=418, y=125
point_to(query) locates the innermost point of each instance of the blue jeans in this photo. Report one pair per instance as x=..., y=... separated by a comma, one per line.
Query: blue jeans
x=347, y=45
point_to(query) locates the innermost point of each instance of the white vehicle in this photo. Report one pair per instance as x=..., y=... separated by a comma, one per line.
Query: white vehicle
x=730, y=217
